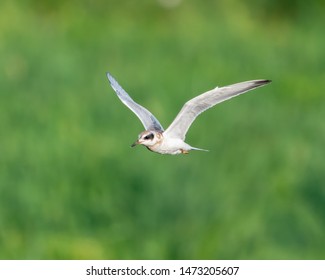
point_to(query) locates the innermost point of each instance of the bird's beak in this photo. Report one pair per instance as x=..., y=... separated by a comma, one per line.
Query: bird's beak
x=135, y=143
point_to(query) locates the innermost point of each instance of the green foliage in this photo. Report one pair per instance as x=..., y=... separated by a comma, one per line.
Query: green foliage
x=70, y=186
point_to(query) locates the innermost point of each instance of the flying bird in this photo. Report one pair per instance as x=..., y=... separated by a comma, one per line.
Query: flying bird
x=171, y=140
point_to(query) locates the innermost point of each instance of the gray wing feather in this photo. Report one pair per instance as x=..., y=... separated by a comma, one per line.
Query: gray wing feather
x=147, y=119
x=199, y=104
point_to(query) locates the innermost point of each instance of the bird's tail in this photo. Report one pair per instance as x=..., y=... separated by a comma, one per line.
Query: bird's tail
x=198, y=149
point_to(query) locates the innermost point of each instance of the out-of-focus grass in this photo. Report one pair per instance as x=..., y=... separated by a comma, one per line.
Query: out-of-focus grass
x=70, y=186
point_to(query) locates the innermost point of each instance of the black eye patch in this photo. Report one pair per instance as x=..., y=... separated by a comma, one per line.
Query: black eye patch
x=149, y=136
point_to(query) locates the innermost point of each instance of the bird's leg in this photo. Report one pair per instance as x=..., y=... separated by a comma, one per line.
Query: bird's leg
x=184, y=152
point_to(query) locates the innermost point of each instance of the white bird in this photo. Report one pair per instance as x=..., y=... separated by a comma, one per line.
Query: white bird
x=171, y=140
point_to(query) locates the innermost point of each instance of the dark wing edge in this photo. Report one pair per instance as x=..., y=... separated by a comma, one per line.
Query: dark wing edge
x=197, y=105
x=148, y=120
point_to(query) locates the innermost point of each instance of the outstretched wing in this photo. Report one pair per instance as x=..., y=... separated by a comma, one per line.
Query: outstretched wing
x=148, y=120
x=199, y=104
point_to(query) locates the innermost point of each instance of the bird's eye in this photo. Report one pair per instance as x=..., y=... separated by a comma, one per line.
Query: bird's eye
x=149, y=136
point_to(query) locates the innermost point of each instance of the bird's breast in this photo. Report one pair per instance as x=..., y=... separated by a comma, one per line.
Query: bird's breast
x=169, y=146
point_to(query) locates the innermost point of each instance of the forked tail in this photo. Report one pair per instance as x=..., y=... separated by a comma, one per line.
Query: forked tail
x=198, y=149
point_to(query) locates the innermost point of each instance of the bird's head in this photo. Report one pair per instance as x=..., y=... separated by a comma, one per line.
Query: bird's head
x=148, y=138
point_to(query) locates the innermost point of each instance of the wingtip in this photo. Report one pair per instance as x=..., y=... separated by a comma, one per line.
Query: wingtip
x=260, y=83
x=263, y=82
x=110, y=78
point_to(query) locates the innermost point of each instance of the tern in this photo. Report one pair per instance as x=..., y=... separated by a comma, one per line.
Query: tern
x=171, y=140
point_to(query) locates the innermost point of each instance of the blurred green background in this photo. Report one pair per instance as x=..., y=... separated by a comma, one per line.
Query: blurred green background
x=72, y=188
